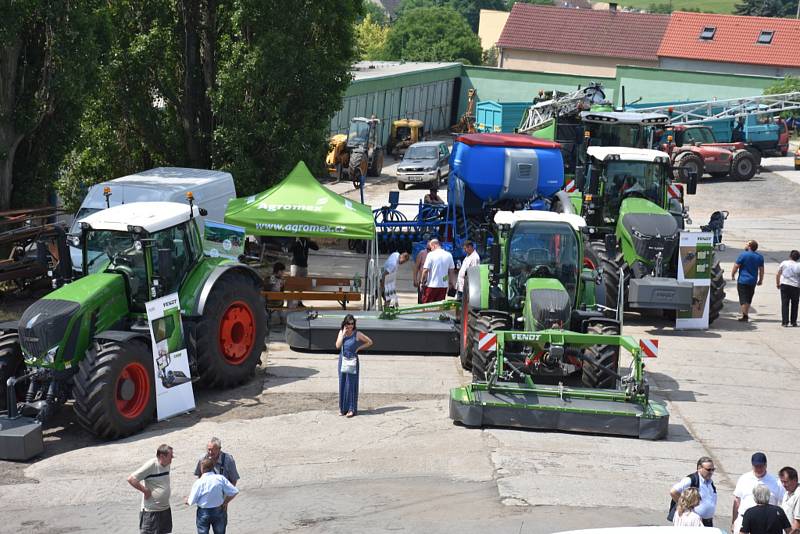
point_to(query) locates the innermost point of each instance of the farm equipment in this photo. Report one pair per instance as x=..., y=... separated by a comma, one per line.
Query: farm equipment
x=634, y=215
x=89, y=340
x=35, y=244
x=359, y=153
x=466, y=123
x=404, y=133
x=695, y=149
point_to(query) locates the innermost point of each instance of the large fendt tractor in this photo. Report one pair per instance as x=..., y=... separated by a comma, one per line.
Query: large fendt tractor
x=634, y=215
x=90, y=340
x=542, y=354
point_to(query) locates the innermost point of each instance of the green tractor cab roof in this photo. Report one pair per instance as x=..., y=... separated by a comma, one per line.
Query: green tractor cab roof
x=149, y=216
x=513, y=217
x=604, y=153
x=625, y=117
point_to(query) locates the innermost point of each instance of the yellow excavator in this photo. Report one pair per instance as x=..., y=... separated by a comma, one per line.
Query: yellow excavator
x=405, y=132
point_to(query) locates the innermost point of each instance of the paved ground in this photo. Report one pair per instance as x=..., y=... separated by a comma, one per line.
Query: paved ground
x=402, y=466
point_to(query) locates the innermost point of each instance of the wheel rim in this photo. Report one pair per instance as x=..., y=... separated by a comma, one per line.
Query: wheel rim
x=132, y=390
x=744, y=167
x=237, y=333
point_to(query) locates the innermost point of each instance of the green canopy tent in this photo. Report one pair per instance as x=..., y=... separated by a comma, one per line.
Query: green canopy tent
x=299, y=206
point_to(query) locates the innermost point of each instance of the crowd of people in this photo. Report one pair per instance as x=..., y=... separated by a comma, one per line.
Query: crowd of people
x=762, y=502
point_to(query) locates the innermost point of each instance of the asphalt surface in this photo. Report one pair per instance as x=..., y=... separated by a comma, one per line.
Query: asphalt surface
x=401, y=465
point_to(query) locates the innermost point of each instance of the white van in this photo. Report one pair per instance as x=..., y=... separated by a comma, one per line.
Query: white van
x=211, y=189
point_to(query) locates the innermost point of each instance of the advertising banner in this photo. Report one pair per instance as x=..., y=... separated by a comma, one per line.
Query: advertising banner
x=694, y=265
x=174, y=393
x=223, y=240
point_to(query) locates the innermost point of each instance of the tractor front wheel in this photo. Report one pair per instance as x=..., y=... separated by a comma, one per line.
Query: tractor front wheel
x=11, y=364
x=605, y=355
x=114, y=390
x=692, y=163
x=230, y=335
x=483, y=322
x=596, y=253
x=717, y=300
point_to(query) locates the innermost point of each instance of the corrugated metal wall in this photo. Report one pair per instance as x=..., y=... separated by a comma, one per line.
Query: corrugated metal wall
x=430, y=102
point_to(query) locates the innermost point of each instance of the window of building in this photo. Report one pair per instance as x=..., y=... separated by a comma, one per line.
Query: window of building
x=708, y=33
x=765, y=37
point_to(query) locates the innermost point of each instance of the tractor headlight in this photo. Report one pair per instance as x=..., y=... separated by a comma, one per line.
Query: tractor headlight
x=50, y=356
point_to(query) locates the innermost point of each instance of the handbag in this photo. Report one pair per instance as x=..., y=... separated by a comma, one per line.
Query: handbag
x=349, y=365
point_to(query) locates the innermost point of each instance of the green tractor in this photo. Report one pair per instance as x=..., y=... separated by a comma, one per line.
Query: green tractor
x=542, y=354
x=90, y=340
x=634, y=213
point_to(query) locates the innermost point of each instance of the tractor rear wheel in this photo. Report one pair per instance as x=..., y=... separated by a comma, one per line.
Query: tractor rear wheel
x=482, y=322
x=114, y=390
x=605, y=355
x=11, y=364
x=743, y=166
x=596, y=253
x=717, y=300
x=692, y=163
x=229, y=338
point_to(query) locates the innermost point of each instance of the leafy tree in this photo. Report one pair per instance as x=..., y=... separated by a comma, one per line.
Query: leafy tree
x=371, y=9
x=469, y=9
x=489, y=57
x=511, y=3
x=235, y=85
x=766, y=8
x=48, y=57
x=660, y=8
x=371, y=39
x=789, y=84
x=433, y=34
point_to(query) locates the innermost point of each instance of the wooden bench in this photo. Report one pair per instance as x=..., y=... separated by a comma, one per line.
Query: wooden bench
x=298, y=288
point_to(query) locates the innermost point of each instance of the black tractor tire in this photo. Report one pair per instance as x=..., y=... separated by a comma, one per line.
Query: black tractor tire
x=482, y=322
x=692, y=162
x=377, y=164
x=114, y=389
x=11, y=364
x=606, y=355
x=596, y=253
x=465, y=353
x=401, y=186
x=717, y=299
x=743, y=166
x=230, y=337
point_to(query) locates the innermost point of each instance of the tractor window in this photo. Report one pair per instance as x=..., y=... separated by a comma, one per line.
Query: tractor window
x=624, y=179
x=111, y=251
x=543, y=250
x=172, y=256
x=611, y=134
x=358, y=134
x=403, y=132
x=698, y=135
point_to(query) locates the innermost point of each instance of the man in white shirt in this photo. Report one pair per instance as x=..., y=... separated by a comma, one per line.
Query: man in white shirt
x=704, y=485
x=389, y=277
x=211, y=493
x=470, y=260
x=791, y=499
x=743, y=494
x=438, y=273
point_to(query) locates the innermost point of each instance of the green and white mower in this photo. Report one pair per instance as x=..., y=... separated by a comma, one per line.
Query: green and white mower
x=90, y=341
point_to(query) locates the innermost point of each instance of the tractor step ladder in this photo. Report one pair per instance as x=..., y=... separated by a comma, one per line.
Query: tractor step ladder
x=696, y=112
x=561, y=104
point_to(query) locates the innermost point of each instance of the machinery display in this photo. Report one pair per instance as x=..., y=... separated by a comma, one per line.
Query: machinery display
x=404, y=133
x=694, y=148
x=357, y=154
x=90, y=341
x=634, y=215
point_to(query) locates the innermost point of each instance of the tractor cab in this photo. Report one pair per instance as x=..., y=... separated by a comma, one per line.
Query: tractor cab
x=404, y=133
x=363, y=132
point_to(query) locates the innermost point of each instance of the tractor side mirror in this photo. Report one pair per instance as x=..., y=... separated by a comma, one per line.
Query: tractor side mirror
x=691, y=183
x=203, y=212
x=611, y=245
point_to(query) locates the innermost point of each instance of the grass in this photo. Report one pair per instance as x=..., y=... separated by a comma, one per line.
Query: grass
x=707, y=6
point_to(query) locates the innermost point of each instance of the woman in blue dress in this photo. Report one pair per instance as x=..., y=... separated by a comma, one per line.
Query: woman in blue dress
x=349, y=342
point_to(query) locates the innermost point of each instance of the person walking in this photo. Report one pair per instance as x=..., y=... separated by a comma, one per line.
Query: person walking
x=750, y=266
x=389, y=277
x=685, y=514
x=788, y=281
x=472, y=258
x=707, y=492
x=152, y=479
x=349, y=342
x=764, y=517
x=211, y=493
x=437, y=273
x=791, y=497
x=418, y=263
x=743, y=498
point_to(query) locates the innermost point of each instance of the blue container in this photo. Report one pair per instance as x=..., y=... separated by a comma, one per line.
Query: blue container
x=494, y=117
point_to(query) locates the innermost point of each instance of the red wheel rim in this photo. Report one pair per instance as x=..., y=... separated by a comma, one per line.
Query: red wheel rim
x=132, y=390
x=237, y=333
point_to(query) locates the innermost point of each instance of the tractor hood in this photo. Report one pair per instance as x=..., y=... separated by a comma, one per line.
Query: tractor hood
x=52, y=325
x=650, y=229
x=548, y=304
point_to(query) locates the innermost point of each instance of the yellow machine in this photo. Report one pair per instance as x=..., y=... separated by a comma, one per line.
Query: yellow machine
x=357, y=154
x=405, y=132
x=338, y=157
x=466, y=124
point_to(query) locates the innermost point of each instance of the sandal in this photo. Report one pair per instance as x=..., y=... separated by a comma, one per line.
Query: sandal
x=350, y=414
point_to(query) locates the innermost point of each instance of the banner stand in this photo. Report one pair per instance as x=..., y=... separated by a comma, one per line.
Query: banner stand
x=696, y=254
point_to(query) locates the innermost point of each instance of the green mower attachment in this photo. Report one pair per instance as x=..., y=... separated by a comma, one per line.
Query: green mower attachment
x=625, y=411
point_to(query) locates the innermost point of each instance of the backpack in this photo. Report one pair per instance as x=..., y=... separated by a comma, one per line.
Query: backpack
x=694, y=482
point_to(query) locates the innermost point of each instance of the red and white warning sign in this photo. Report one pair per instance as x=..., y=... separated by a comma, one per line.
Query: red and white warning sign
x=487, y=341
x=649, y=347
x=571, y=187
x=675, y=191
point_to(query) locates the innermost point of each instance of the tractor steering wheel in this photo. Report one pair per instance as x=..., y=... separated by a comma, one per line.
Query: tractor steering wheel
x=543, y=271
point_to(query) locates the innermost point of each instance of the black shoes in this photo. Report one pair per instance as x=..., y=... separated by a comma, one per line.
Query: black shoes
x=743, y=318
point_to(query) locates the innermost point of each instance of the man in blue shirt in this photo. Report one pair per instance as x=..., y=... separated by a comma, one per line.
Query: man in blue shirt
x=750, y=266
x=211, y=493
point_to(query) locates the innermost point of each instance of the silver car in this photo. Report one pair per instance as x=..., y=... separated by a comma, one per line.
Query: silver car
x=424, y=162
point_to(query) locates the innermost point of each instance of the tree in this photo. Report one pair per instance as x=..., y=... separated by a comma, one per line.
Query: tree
x=433, y=34
x=371, y=39
x=375, y=11
x=48, y=57
x=789, y=84
x=766, y=8
x=235, y=85
x=469, y=9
